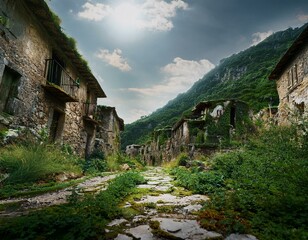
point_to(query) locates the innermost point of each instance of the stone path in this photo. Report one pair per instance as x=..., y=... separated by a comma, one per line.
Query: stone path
x=159, y=210
x=55, y=198
x=163, y=212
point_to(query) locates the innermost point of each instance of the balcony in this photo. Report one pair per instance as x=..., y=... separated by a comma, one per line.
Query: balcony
x=90, y=114
x=59, y=82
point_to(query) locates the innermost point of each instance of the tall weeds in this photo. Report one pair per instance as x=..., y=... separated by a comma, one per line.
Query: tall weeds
x=26, y=164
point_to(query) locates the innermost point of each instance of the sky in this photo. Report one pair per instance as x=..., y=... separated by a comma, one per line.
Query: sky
x=146, y=52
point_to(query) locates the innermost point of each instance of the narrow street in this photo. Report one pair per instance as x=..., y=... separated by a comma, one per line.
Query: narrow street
x=163, y=211
x=156, y=210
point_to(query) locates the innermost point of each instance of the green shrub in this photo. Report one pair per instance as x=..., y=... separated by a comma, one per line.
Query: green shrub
x=95, y=162
x=267, y=184
x=182, y=159
x=199, y=182
x=33, y=163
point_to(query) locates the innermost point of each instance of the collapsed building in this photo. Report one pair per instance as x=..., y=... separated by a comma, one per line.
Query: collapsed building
x=108, y=131
x=210, y=125
x=45, y=84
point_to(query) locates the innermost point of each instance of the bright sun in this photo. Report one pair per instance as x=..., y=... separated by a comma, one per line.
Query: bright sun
x=126, y=16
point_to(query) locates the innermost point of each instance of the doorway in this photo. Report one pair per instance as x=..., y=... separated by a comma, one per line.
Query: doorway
x=56, y=126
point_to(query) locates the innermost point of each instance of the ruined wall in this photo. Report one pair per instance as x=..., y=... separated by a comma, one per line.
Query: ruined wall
x=108, y=133
x=292, y=88
x=24, y=48
x=212, y=127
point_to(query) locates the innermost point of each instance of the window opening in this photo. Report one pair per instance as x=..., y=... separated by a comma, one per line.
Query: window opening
x=8, y=89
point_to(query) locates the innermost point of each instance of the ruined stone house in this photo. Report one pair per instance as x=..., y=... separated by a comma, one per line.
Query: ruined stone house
x=291, y=75
x=211, y=123
x=133, y=150
x=44, y=82
x=108, y=131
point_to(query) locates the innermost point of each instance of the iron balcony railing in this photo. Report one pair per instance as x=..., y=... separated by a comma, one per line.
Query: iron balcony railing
x=56, y=74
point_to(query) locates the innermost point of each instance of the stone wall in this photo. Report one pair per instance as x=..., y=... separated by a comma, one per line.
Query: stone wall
x=108, y=131
x=292, y=88
x=212, y=126
x=24, y=47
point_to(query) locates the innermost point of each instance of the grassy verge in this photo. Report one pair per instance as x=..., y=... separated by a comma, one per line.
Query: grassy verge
x=80, y=219
x=32, y=169
x=29, y=164
x=260, y=189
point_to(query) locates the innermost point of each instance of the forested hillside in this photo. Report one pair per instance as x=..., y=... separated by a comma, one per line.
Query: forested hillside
x=242, y=76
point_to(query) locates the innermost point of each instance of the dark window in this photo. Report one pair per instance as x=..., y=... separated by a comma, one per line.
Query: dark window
x=8, y=89
x=301, y=108
x=292, y=76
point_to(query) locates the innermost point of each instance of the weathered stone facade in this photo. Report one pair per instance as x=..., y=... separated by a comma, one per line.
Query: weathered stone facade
x=44, y=83
x=291, y=74
x=108, y=132
x=211, y=124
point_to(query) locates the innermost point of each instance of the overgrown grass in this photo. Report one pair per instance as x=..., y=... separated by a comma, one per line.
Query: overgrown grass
x=199, y=182
x=261, y=189
x=27, y=164
x=115, y=161
x=80, y=219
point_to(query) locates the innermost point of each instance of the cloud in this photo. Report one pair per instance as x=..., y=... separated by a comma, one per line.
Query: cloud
x=179, y=76
x=158, y=14
x=303, y=17
x=94, y=12
x=114, y=59
x=260, y=36
x=155, y=15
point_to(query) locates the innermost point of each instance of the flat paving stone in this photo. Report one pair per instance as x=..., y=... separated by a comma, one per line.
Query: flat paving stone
x=116, y=222
x=153, y=182
x=162, y=188
x=142, y=232
x=185, y=229
x=123, y=237
x=169, y=198
x=145, y=186
x=192, y=208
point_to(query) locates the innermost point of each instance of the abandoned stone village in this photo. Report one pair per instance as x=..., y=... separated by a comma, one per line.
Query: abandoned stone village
x=46, y=85
x=48, y=91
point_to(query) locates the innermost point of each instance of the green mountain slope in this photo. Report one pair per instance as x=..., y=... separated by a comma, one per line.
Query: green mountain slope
x=242, y=76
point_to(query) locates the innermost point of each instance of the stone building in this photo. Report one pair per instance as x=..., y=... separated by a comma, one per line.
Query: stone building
x=291, y=75
x=211, y=124
x=108, y=131
x=45, y=85
x=134, y=150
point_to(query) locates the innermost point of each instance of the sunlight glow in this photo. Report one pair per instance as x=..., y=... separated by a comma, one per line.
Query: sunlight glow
x=126, y=17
